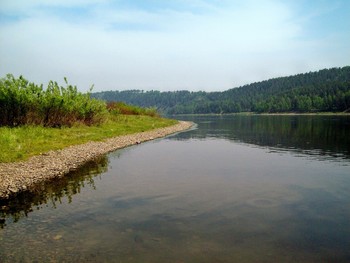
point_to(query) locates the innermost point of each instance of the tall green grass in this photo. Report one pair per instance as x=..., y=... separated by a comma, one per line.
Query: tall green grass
x=25, y=103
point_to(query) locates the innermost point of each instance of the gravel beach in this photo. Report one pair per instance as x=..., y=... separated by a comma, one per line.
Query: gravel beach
x=20, y=176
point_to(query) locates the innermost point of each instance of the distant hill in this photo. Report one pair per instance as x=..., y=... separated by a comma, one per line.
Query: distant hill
x=324, y=90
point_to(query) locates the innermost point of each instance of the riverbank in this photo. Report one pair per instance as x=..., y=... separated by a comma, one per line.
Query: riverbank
x=23, y=142
x=21, y=176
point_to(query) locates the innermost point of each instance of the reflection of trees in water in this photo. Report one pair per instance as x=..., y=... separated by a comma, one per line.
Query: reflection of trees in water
x=52, y=192
x=328, y=135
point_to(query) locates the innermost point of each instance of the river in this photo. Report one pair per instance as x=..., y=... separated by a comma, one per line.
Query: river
x=232, y=189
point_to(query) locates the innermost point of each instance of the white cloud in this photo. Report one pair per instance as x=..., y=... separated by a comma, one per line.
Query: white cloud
x=215, y=49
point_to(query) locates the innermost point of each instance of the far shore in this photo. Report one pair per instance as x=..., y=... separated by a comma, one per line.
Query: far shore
x=269, y=114
x=306, y=113
x=22, y=176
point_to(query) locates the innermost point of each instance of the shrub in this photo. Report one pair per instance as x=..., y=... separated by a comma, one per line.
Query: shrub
x=22, y=102
x=122, y=108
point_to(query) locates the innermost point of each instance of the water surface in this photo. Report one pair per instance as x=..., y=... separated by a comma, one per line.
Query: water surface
x=234, y=189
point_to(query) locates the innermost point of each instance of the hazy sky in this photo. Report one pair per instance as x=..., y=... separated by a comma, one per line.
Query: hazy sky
x=206, y=45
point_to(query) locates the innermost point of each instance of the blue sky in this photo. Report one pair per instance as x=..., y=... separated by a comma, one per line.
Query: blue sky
x=206, y=45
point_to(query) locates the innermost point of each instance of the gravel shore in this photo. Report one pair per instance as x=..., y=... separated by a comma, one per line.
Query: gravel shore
x=20, y=176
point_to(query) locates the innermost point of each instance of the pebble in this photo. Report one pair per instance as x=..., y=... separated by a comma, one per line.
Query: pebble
x=57, y=237
x=20, y=176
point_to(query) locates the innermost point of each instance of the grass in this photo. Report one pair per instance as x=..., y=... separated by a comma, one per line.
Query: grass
x=20, y=143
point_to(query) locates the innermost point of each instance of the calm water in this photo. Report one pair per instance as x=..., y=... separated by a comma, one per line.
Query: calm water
x=234, y=189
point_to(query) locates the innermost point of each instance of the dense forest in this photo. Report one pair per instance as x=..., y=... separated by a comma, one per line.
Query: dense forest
x=327, y=90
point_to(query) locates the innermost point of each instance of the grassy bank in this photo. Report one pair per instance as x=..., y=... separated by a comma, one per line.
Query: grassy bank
x=20, y=143
x=34, y=119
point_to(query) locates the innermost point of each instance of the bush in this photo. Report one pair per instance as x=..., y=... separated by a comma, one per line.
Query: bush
x=122, y=108
x=22, y=102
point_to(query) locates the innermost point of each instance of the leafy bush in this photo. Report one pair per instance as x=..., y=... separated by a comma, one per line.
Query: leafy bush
x=22, y=102
x=122, y=108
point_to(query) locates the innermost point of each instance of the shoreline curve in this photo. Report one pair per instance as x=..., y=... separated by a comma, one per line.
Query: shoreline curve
x=21, y=176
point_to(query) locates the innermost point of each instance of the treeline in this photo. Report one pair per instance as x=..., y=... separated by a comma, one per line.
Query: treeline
x=25, y=103
x=324, y=90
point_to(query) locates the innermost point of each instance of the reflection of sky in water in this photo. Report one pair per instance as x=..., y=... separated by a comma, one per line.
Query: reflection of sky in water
x=195, y=200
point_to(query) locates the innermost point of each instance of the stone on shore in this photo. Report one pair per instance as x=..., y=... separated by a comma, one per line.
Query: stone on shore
x=20, y=176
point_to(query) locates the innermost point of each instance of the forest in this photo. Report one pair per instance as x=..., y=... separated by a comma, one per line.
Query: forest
x=326, y=90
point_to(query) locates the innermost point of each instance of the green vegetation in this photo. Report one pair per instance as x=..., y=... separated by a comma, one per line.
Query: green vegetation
x=123, y=108
x=19, y=143
x=327, y=90
x=34, y=120
x=22, y=102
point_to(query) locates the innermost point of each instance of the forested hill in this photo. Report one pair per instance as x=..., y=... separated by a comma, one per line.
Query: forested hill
x=324, y=90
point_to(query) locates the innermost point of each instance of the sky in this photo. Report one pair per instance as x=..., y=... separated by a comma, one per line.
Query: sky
x=208, y=45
